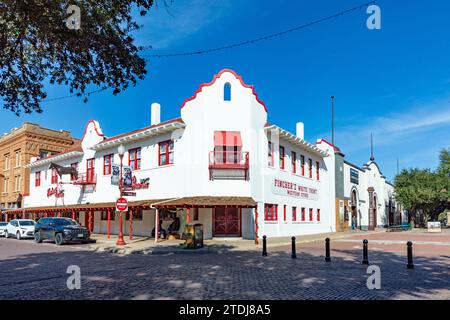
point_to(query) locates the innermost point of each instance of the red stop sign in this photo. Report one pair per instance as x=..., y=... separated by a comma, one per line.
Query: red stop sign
x=122, y=204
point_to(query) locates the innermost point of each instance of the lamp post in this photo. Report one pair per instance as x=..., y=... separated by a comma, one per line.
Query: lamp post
x=120, y=240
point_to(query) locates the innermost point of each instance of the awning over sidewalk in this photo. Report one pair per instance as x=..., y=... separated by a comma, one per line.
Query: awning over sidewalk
x=207, y=202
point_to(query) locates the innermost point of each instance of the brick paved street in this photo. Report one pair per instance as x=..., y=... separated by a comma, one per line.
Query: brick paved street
x=31, y=271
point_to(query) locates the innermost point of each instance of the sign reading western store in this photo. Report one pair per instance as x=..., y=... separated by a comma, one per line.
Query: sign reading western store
x=291, y=189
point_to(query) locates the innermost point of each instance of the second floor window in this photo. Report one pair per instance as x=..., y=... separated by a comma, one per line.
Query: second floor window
x=281, y=157
x=270, y=155
x=303, y=165
x=294, y=162
x=74, y=176
x=310, y=164
x=54, y=176
x=7, y=161
x=107, y=162
x=134, y=158
x=18, y=158
x=165, y=156
x=37, y=179
x=317, y=171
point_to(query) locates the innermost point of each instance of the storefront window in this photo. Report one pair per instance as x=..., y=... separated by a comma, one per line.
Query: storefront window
x=271, y=212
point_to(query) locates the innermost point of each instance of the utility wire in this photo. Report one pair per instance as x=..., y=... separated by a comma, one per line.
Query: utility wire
x=263, y=38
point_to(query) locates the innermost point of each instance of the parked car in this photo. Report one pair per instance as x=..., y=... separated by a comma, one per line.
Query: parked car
x=3, y=228
x=20, y=228
x=60, y=230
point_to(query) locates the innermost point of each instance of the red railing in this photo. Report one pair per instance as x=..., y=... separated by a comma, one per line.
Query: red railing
x=83, y=179
x=228, y=160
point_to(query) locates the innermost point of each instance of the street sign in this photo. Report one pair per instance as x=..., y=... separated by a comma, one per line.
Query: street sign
x=122, y=204
x=128, y=194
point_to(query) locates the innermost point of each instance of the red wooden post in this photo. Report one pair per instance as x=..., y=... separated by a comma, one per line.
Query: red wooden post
x=256, y=225
x=188, y=215
x=90, y=221
x=59, y=214
x=45, y=214
x=156, y=225
x=131, y=224
x=108, y=226
x=73, y=215
x=6, y=217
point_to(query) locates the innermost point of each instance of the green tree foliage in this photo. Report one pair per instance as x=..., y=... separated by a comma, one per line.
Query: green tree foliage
x=36, y=46
x=425, y=191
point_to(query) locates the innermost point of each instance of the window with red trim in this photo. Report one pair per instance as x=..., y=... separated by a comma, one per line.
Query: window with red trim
x=310, y=163
x=318, y=214
x=165, y=153
x=270, y=154
x=37, y=179
x=107, y=163
x=281, y=157
x=54, y=176
x=294, y=213
x=134, y=158
x=294, y=162
x=303, y=165
x=303, y=214
x=317, y=170
x=284, y=212
x=311, y=218
x=74, y=176
x=271, y=212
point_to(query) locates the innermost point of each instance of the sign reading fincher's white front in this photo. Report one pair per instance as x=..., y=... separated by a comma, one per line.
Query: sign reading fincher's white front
x=286, y=188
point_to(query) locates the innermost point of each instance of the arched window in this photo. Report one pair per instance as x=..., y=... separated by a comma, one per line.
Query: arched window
x=227, y=92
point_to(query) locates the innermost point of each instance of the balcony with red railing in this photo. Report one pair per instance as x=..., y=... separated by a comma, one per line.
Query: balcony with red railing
x=85, y=179
x=235, y=161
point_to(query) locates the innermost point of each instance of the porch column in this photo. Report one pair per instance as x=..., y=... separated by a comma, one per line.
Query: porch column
x=6, y=217
x=156, y=225
x=15, y=215
x=45, y=214
x=59, y=214
x=256, y=226
x=108, y=226
x=188, y=215
x=131, y=224
x=90, y=221
x=73, y=215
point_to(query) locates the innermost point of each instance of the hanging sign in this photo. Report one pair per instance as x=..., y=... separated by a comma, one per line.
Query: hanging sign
x=291, y=189
x=127, y=178
x=115, y=173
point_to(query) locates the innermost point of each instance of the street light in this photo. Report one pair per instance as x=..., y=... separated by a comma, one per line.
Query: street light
x=121, y=151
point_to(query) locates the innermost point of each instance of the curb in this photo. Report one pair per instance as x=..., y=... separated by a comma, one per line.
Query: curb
x=151, y=251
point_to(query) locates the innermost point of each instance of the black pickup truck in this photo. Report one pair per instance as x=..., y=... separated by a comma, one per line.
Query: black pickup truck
x=60, y=230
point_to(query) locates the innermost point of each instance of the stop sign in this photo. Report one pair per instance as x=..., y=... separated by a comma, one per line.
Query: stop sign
x=122, y=204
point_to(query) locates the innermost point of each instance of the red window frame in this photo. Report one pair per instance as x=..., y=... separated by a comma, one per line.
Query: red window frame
x=107, y=167
x=134, y=163
x=318, y=214
x=54, y=176
x=74, y=176
x=284, y=212
x=303, y=214
x=281, y=154
x=90, y=169
x=270, y=154
x=317, y=170
x=294, y=213
x=294, y=162
x=273, y=210
x=37, y=179
x=310, y=163
x=303, y=164
x=167, y=153
x=311, y=217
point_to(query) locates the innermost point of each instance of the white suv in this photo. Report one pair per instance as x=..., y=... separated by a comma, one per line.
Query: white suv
x=20, y=228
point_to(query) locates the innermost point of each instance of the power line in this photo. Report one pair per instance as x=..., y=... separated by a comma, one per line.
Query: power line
x=74, y=95
x=263, y=38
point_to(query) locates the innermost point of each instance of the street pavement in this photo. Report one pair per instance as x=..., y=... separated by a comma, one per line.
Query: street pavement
x=39, y=271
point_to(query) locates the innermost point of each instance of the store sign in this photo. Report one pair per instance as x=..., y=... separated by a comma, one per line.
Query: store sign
x=142, y=184
x=354, y=176
x=291, y=189
x=55, y=192
x=434, y=226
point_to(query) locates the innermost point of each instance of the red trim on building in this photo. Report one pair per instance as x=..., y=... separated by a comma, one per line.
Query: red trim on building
x=282, y=155
x=136, y=164
x=318, y=214
x=302, y=157
x=294, y=213
x=294, y=162
x=167, y=161
x=271, y=212
x=37, y=179
x=95, y=128
x=214, y=80
x=317, y=170
x=107, y=165
x=311, y=217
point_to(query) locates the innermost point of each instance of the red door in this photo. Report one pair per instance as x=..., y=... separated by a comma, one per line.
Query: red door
x=90, y=170
x=227, y=222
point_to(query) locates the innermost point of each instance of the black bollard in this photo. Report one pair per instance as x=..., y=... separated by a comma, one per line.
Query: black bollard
x=327, y=250
x=410, y=264
x=365, y=252
x=294, y=254
x=264, y=253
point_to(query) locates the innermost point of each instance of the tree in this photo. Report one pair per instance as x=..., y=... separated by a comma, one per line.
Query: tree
x=37, y=44
x=422, y=191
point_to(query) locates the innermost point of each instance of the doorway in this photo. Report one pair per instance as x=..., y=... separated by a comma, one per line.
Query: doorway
x=227, y=222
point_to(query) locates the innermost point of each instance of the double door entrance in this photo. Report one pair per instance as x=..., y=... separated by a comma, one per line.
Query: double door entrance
x=227, y=222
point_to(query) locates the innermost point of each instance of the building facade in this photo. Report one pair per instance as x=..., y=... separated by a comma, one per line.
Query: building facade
x=220, y=164
x=17, y=147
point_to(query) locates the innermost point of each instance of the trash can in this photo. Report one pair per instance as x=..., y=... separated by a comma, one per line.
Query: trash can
x=194, y=236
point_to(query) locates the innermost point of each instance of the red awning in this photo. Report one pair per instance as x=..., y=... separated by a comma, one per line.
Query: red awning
x=227, y=138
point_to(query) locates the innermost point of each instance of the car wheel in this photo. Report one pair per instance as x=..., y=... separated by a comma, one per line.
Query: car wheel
x=59, y=239
x=37, y=237
x=18, y=237
x=6, y=234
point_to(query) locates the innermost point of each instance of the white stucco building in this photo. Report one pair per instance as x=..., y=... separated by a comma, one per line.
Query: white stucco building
x=220, y=164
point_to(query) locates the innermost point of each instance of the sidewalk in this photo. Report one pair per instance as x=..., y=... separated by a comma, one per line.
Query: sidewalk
x=146, y=245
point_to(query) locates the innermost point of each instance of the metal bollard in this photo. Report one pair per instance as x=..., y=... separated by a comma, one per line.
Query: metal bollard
x=327, y=250
x=264, y=253
x=365, y=252
x=294, y=254
x=410, y=264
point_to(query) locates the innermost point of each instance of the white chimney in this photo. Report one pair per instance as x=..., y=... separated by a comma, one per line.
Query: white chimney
x=155, y=113
x=300, y=130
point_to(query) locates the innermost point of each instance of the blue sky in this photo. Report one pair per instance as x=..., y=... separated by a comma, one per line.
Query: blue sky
x=394, y=82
